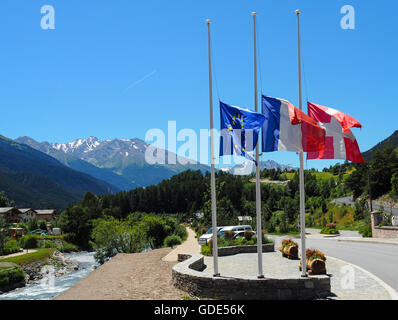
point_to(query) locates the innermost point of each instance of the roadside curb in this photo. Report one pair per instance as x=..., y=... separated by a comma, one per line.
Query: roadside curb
x=369, y=241
x=391, y=291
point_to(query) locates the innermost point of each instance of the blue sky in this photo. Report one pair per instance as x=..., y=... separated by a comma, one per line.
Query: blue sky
x=115, y=69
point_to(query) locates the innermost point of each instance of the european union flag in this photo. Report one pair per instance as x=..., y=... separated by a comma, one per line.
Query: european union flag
x=239, y=130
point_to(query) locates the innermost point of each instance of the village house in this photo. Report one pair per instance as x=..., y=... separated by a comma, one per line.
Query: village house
x=26, y=214
x=48, y=214
x=14, y=215
x=11, y=214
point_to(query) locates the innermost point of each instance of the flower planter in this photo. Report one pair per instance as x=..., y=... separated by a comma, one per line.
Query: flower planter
x=289, y=249
x=315, y=262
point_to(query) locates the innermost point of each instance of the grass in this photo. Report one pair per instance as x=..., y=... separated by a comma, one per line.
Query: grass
x=291, y=234
x=40, y=254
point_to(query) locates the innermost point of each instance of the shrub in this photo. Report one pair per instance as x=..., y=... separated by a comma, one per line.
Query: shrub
x=29, y=242
x=249, y=235
x=366, y=231
x=206, y=251
x=171, y=241
x=11, y=276
x=327, y=230
x=181, y=231
x=202, y=230
x=42, y=224
x=331, y=225
x=229, y=234
x=11, y=246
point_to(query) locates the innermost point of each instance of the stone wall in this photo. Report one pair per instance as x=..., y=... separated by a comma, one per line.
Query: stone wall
x=382, y=232
x=186, y=277
x=229, y=251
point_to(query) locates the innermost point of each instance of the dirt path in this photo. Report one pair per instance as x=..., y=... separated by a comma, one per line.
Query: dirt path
x=190, y=245
x=18, y=253
x=137, y=276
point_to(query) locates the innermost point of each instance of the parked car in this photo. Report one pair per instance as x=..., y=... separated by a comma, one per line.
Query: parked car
x=204, y=238
x=241, y=234
x=236, y=229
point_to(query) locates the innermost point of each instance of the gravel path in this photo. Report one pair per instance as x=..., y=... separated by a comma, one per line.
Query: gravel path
x=137, y=276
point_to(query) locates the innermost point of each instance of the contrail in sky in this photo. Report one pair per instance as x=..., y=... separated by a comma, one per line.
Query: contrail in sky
x=140, y=80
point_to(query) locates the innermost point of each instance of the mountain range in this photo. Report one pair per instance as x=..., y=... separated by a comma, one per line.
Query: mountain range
x=34, y=179
x=39, y=174
x=120, y=162
x=391, y=140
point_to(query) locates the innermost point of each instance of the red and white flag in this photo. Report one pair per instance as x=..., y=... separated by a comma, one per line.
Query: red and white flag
x=340, y=142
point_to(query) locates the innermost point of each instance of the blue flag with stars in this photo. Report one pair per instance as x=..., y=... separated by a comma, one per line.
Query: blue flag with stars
x=239, y=130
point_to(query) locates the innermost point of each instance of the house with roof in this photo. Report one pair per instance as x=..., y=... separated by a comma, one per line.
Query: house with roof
x=27, y=214
x=11, y=214
x=48, y=214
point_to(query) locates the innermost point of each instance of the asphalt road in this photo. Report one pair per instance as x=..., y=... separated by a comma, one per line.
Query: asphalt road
x=379, y=259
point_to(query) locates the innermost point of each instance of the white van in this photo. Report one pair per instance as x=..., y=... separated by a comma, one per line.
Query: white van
x=204, y=238
x=236, y=229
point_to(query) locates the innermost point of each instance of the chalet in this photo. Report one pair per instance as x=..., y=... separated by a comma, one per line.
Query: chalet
x=48, y=214
x=11, y=214
x=27, y=214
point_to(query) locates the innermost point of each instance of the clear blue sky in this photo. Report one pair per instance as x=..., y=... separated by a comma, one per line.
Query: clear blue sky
x=114, y=69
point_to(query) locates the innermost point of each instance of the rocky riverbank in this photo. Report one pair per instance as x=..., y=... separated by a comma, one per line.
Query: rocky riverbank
x=54, y=266
x=57, y=265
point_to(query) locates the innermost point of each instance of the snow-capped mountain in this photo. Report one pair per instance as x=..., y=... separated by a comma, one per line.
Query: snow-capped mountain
x=120, y=162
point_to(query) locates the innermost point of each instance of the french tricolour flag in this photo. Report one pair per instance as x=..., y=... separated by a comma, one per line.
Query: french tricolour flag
x=287, y=128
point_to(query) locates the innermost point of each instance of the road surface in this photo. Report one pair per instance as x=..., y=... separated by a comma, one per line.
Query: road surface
x=379, y=259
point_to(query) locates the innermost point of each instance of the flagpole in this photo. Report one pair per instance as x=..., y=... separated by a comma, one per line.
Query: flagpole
x=302, y=190
x=258, y=187
x=213, y=176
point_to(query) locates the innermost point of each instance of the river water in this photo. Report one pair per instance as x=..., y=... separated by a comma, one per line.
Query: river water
x=46, y=292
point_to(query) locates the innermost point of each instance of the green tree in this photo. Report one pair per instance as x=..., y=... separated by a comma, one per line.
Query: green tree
x=3, y=233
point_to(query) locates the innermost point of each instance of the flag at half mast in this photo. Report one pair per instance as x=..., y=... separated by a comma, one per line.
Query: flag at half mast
x=287, y=128
x=340, y=142
x=239, y=130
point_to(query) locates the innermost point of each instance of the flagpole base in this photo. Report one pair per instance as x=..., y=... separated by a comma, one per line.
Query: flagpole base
x=216, y=275
x=304, y=276
x=260, y=277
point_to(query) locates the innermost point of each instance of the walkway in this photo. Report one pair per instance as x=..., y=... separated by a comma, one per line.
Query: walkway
x=136, y=276
x=18, y=253
x=191, y=245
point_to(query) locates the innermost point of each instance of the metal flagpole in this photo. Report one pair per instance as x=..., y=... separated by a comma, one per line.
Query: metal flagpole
x=302, y=190
x=213, y=176
x=258, y=187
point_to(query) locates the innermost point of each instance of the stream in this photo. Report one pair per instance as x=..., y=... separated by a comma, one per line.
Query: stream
x=46, y=292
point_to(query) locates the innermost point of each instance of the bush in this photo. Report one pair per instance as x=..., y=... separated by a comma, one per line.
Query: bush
x=327, y=230
x=11, y=246
x=366, y=231
x=171, y=241
x=229, y=234
x=10, y=276
x=206, y=250
x=249, y=235
x=331, y=225
x=29, y=242
x=181, y=231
